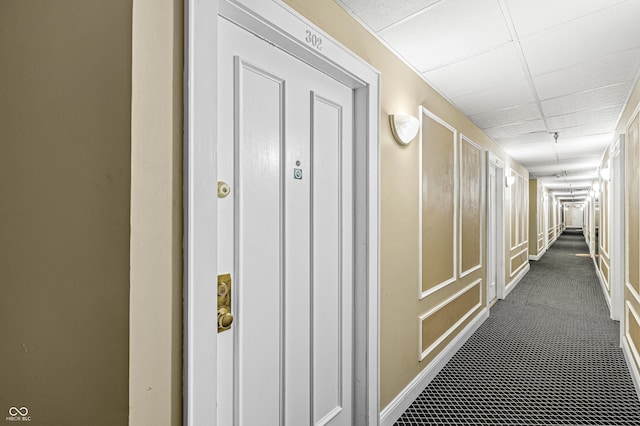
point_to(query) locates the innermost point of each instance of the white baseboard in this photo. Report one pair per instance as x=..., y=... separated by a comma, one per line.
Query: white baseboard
x=514, y=282
x=538, y=256
x=633, y=368
x=607, y=296
x=400, y=403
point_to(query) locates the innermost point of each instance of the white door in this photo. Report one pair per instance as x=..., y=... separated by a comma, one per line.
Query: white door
x=492, y=231
x=285, y=144
x=576, y=217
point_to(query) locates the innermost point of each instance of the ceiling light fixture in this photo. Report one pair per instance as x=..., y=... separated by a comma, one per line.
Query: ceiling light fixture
x=404, y=128
x=555, y=136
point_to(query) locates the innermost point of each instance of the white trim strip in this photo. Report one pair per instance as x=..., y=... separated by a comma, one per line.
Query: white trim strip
x=424, y=293
x=629, y=340
x=605, y=288
x=633, y=292
x=514, y=282
x=400, y=403
x=450, y=330
x=482, y=194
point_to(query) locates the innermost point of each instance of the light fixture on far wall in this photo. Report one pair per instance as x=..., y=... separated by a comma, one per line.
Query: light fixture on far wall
x=605, y=173
x=596, y=187
x=404, y=128
x=509, y=179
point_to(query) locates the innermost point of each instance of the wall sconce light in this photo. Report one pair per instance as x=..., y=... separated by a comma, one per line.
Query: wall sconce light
x=596, y=187
x=510, y=180
x=591, y=194
x=605, y=173
x=404, y=128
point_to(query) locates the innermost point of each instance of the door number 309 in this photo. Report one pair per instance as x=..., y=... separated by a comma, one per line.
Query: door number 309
x=314, y=40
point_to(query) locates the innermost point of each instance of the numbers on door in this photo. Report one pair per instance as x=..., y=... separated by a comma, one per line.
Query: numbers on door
x=314, y=40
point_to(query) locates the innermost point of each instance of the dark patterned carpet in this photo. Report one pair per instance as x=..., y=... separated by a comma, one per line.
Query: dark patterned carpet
x=547, y=355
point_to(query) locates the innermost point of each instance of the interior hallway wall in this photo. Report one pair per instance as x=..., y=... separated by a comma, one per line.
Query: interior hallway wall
x=403, y=90
x=629, y=124
x=536, y=218
x=155, y=381
x=65, y=164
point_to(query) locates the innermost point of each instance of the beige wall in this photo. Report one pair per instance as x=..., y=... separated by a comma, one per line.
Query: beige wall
x=155, y=385
x=403, y=90
x=65, y=85
x=632, y=213
x=517, y=200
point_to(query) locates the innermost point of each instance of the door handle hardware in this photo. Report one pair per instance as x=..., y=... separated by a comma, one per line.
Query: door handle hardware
x=225, y=317
x=223, y=189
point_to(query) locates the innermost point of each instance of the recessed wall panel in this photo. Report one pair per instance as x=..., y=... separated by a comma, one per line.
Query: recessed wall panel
x=439, y=323
x=471, y=216
x=513, y=210
x=632, y=196
x=438, y=203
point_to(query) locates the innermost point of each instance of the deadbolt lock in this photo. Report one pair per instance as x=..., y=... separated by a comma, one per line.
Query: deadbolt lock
x=225, y=318
x=223, y=189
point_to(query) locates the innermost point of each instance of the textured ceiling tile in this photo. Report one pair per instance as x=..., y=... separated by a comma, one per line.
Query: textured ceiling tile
x=617, y=68
x=506, y=116
x=485, y=71
x=532, y=16
x=587, y=130
x=593, y=36
x=532, y=152
x=381, y=13
x=507, y=95
x=591, y=143
x=581, y=118
x=448, y=32
x=529, y=138
x=515, y=129
x=615, y=94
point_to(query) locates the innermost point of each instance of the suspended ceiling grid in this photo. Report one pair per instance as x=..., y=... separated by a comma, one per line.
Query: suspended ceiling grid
x=522, y=70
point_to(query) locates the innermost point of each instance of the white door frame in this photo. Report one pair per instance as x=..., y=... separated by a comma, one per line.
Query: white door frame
x=280, y=25
x=616, y=230
x=498, y=165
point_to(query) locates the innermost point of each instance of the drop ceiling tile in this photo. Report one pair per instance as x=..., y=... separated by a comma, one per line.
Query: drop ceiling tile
x=448, y=32
x=617, y=68
x=555, y=183
x=593, y=36
x=592, y=143
x=586, y=130
x=533, y=152
x=592, y=155
x=505, y=116
x=615, y=94
x=484, y=71
x=593, y=116
x=515, y=129
x=529, y=138
x=532, y=16
x=382, y=13
x=507, y=95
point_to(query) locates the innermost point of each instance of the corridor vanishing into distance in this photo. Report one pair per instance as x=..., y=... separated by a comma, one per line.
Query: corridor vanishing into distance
x=547, y=355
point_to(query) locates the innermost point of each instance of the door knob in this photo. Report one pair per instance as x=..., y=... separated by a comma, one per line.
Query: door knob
x=225, y=317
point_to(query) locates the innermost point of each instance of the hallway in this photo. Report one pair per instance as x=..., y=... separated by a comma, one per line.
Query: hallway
x=547, y=355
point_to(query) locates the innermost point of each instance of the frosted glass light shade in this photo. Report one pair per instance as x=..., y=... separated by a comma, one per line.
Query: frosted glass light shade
x=605, y=173
x=404, y=128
